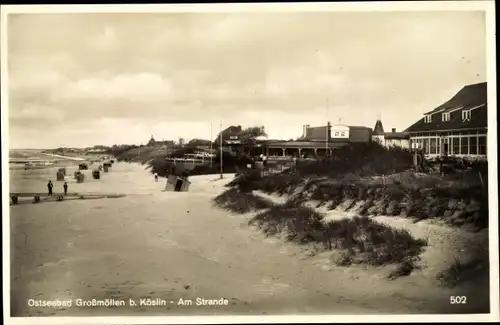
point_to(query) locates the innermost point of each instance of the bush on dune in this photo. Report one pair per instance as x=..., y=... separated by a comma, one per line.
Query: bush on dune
x=362, y=240
x=235, y=201
x=460, y=272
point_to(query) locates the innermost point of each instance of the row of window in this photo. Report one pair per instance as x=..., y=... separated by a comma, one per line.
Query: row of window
x=465, y=145
x=466, y=116
x=438, y=134
x=339, y=134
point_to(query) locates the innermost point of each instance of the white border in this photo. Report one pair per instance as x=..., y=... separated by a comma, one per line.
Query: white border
x=487, y=6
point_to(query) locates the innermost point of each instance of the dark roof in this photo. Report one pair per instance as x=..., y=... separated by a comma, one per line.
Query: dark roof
x=360, y=134
x=378, y=129
x=228, y=132
x=468, y=96
x=316, y=133
x=472, y=96
x=396, y=136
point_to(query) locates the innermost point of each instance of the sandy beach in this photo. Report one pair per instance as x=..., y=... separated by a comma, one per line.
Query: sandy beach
x=171, y=246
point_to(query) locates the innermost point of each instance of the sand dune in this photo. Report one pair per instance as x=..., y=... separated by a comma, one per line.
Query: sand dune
x=172, y=245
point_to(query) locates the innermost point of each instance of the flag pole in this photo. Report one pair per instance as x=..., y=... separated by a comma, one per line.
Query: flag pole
x=211, y=158
x=221, y=150
x=326, y=132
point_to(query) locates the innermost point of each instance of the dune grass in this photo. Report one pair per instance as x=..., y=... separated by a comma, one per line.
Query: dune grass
x=410, y=195
x=235, y=201
x=360, y=239
x=459, y=271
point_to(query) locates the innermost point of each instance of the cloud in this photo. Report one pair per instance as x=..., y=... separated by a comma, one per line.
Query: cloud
x=142, y=71
x=142, y=87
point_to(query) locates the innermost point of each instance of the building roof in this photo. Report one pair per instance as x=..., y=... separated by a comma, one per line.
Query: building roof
x=470, y=97
x=316, y=133
x=228, y=132
x=378, y=129
x=359, y=134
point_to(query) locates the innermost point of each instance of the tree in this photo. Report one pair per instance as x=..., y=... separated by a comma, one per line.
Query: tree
x=198, y=143
x=248, y=136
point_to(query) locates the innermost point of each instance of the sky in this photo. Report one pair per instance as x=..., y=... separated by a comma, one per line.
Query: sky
x=100, y=79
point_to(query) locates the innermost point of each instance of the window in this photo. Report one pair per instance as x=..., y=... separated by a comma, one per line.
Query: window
x=427, y=118
x=446, y=117
x=342, y=134
x=473, y=145
x=464, y=146
x=455, y=145
x=336, y=134
x=466, y=115
x=482, y=145
x=425, y=146
x=432, y=149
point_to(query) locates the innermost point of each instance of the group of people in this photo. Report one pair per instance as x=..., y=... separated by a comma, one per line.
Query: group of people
x=50, y=186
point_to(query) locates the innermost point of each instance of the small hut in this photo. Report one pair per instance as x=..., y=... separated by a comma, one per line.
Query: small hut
x=96, y=174
x=177, y=184
x=83, y=166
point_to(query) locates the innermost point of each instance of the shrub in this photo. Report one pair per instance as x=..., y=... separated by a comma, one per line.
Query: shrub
x=361, y=239
x=235, y=201
x=459, y=272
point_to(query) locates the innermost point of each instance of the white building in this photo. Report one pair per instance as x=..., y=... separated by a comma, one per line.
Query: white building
x=390, y=139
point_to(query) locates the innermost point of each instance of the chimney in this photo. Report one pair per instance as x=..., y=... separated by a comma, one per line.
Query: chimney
x=393, y=130
x=305, y=127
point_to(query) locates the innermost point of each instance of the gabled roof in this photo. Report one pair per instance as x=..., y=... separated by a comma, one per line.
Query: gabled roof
x=378, y=129
x=359, y=134
x=228, y=132
x=471, y=97
x=316, y=133
x=468, y=96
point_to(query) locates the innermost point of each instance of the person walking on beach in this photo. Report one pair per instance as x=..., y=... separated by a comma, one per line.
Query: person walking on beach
x=49, y=187
x=156, y=177
x=65, y=188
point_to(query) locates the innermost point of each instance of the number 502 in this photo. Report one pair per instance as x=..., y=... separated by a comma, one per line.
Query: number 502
x=454, y=300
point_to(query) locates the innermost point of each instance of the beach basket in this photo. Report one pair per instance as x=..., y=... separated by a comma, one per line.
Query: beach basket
x=105, y=168
x=83, y=167
x=62, y=170
x=60, y=176
x=80, y=178
x=96, y=174
x=177, y=184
